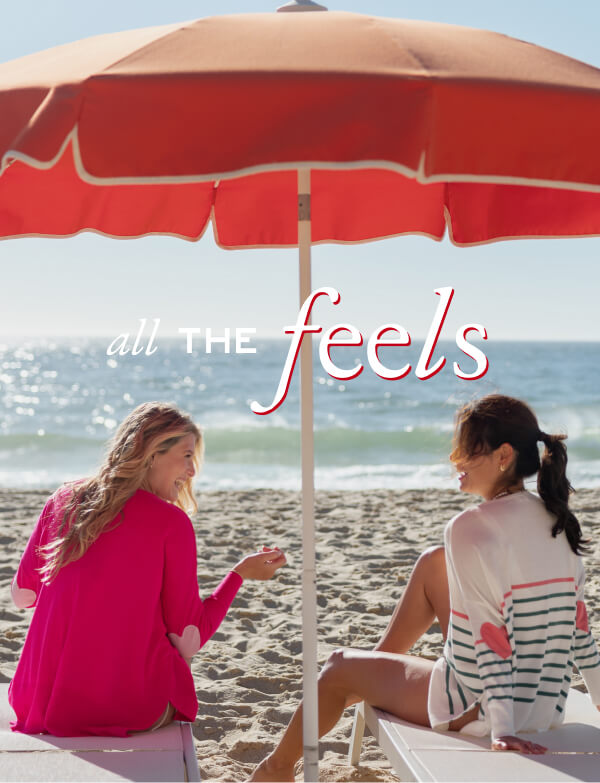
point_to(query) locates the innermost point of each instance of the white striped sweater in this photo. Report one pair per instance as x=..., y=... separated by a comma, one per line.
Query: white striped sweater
x=518, y=619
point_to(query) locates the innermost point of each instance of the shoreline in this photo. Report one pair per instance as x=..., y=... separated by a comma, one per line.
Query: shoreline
x=249, y=676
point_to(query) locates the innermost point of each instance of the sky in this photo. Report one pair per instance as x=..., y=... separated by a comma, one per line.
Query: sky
x=91, y=285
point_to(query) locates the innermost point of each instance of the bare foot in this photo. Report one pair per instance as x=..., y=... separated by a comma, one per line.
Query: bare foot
x=268, y=769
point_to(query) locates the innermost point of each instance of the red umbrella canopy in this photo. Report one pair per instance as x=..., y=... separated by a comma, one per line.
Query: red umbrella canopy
x=408, y=127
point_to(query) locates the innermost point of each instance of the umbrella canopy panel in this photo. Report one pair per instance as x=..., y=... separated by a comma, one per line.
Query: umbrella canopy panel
x=405, y=111
x=261, y=209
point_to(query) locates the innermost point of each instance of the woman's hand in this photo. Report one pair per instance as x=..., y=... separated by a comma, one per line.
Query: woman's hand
x=261, y=565
x=515, y=743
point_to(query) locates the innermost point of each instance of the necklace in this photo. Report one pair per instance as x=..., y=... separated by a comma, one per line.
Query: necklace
x=507, y=492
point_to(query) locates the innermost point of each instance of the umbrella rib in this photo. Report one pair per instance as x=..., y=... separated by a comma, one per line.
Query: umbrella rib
x=172, y=29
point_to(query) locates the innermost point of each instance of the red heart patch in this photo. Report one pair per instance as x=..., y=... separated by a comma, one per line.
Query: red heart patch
x=496, y=639
x=581, y=619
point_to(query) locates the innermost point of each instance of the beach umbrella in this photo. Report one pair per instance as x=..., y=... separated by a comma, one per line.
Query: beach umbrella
x=289, y=129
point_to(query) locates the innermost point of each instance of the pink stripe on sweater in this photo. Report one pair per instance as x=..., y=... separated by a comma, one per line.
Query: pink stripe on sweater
x=544, y=582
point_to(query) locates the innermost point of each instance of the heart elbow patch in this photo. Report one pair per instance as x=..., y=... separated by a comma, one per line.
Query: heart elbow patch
x=581, y=618
x=496, y=639
x=188, y=643
x=22, y=597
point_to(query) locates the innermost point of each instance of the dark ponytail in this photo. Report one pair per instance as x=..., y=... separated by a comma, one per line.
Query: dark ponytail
x=554, y=489
x=484, y=425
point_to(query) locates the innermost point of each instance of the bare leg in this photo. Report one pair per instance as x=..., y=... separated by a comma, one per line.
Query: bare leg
x=425, y=598
x=395, y=683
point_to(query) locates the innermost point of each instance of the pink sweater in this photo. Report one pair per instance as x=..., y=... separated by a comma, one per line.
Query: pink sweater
x=108, y=639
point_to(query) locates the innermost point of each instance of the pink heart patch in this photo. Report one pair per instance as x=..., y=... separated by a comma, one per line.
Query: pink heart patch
x=496, y=639
x=22, y=597
x=581, y=619
x=188, y=643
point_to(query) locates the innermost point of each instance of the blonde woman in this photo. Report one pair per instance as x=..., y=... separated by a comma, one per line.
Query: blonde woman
x=111, y=571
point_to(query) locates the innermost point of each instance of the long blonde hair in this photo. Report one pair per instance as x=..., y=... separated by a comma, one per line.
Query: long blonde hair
x=93, y=504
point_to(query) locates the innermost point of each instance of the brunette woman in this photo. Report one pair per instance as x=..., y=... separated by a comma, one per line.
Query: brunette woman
x=507, y=590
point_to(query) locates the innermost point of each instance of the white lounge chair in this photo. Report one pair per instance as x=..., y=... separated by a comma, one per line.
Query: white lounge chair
x=418, y=753
x=166, y=754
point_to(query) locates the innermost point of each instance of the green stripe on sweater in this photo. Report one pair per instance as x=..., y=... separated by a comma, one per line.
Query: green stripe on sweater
x=543, y=597
x=548, y=638
x=456, y=627
x=524, y=628
x=591, y=655
x=450, y=704
x=495, y=663
x=466, y=660
x=462, y=644
x=462, y=695
x=545, y=611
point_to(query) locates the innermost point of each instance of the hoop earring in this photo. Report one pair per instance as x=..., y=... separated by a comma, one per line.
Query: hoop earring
x=502, y=468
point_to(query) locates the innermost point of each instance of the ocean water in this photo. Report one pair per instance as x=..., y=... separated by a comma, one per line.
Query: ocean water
x=62, y=400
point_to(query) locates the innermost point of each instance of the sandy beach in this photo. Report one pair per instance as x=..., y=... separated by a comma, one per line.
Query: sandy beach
x=248, y=677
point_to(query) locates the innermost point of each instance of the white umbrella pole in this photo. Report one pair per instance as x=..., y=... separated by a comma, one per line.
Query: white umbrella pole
x=309, y=586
